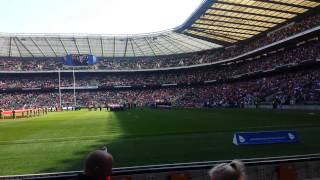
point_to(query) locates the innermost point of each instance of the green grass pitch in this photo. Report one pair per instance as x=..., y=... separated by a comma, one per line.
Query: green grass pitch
x=60, y=141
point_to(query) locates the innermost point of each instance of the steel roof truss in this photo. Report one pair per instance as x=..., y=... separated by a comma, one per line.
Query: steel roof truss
x=257, y=7
x=63, y=46
x=134, y=54
x=114, y=46
x=249, y=13
x=10, y=46
x=24, y=46
x=221, y=26
x=102, y=50
x=243, y=33
x=229, y=22
x=37, y=47
x=242, y=18
x=226, y=33
x=283, y=3
x=75, y=43
x=172, y=43
x=164, y=47
x=150, y=46
x=210, y=33
x=47, y=41
x=125, y=48
x=89, y=45
x=183, y=44
x=138, y=47
x=224, y=43
x=15, y=42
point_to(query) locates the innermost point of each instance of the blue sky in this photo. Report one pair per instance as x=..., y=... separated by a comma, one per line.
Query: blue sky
x=93, y=16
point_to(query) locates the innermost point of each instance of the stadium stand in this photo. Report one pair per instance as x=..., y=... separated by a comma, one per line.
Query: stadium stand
x=297, y=87
x=288, y=56
x=275, y=64
x=292, y=88
x=38, y=64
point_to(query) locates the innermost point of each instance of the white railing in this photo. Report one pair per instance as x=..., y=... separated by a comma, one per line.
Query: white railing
x=134, y=170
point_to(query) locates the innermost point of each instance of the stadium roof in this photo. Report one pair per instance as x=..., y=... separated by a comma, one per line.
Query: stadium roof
x=214, y=24
x=230, y=21
x=50, y=45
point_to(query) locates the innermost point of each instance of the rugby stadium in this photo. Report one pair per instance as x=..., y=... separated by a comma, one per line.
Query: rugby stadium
x=239, y=79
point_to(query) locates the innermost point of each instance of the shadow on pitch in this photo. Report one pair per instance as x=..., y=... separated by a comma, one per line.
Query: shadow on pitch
x=75, y=161
x=127, y=139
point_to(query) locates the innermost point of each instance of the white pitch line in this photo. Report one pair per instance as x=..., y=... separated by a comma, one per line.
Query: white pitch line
x=55, y=139
x=98, y=136
x=281, y=126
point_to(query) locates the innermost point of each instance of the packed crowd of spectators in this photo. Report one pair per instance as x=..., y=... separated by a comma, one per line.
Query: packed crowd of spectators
x=288, y=88
x=291, y=88
x=151, y=62
x=301, y=53
x=30, y=64
x=40, y=64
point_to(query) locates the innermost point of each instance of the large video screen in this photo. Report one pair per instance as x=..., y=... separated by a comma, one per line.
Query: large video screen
x=80, y=60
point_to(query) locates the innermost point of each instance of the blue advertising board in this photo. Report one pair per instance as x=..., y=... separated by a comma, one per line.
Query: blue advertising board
x=265, y=137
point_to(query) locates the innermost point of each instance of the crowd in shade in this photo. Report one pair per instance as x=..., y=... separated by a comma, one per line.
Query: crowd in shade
x=211, y=56
x=290, y=56
x=290, y=88
x=282, y=33
x=38, y=64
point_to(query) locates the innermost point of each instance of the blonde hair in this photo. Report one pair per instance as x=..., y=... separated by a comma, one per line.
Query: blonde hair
x=228, y=171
